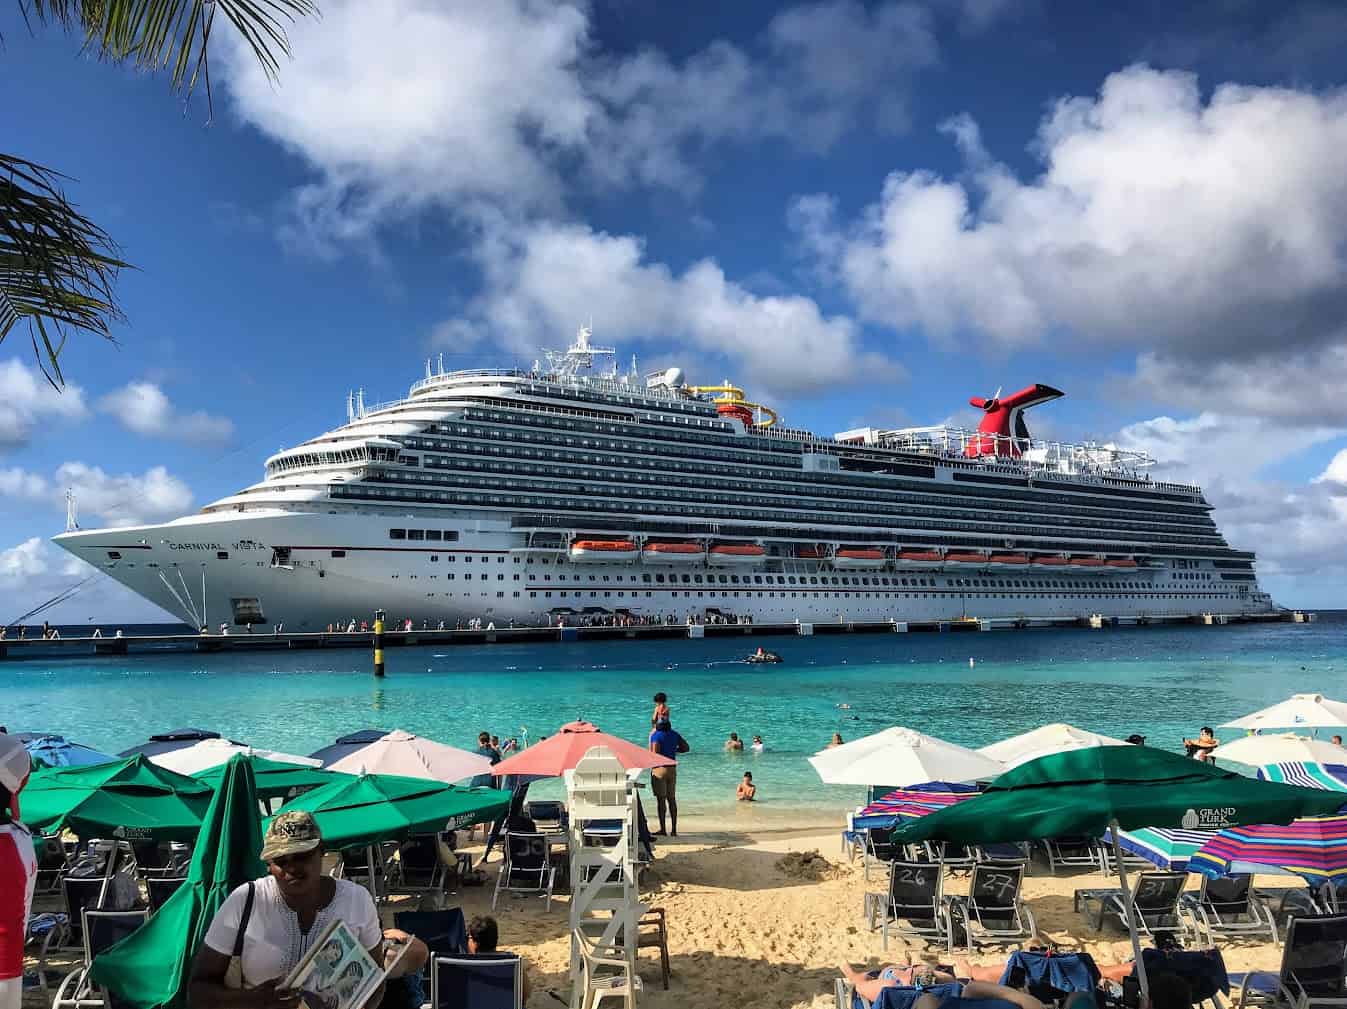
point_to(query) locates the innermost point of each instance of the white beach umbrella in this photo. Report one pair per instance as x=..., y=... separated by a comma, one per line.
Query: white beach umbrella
x=1043, y=741
x=412, y=756
x=1281, y=748
x=901, y=757
x=208, y=753
x=1308, y=711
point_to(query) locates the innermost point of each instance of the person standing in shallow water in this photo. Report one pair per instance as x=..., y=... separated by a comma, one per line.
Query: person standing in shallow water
x=664, y=780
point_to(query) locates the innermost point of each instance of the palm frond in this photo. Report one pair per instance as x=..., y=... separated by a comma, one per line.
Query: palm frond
x=56, y=266
x=174, y=34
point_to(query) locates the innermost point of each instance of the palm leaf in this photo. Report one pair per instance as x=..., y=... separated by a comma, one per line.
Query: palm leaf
x=174, y=34
x=56, y=266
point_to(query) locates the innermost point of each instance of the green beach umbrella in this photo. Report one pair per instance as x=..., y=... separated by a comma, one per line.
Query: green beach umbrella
x=276, y=779
x=129, y=799
x=371, y=808
x=152, y=967
x=1089, y=791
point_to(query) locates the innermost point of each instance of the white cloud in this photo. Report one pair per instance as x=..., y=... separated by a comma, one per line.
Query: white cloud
x=143, y=408
x=1296, y=529
x=34, y=571
x=112, y=499
x=399, y=105
x=1160, y=222
x=547, y=278
x=27, y=399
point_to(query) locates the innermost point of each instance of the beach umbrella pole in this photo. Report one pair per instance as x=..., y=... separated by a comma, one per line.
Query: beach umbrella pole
x=1132, y=930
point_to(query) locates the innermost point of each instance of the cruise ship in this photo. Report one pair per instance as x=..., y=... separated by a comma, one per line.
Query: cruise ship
x=570, y=490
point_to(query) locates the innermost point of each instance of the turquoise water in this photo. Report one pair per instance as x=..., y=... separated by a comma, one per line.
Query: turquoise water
x=1163, y=682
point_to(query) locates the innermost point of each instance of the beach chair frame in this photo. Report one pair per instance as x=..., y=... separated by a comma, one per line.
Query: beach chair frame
x=1301, y=984
x=1157, y=897
x=543, y=874
x=879, y=848
x=159, y=888
x=1217, y=908
x=1073, y=853
x=994, y=908
x=483, y=966
x=101, y=932
x=915, y=895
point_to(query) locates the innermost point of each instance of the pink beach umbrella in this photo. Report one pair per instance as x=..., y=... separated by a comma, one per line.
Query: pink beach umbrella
x=557, y=754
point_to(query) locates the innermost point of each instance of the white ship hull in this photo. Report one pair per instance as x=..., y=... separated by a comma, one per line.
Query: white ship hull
x=223, y=568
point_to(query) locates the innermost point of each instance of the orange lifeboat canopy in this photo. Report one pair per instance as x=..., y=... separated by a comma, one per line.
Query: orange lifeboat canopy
x=733, y=554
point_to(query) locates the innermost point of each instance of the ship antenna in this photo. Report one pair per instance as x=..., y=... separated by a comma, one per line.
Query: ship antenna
x=428, y=372
x=441, y=362
x=71, y=512
x=350, y=406
x=360, y=402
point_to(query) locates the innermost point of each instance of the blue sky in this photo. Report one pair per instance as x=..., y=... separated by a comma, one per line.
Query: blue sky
x=864, y=213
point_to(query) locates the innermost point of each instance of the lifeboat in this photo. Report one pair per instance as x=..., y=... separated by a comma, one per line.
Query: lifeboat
x=603, y=551
x=846, y=559
x=810, y=553
x=673, y=553
x=1086, y=563
x=732, y=555
x=965, y=559
x=912, y=560
x=1008, y=562
x=1120, y=565
x=1048, y=561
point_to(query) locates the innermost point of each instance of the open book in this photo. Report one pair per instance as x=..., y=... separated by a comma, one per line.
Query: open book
x=337, y=972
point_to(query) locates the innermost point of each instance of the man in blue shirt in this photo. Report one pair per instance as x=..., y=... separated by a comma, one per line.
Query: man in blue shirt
x=664, y=780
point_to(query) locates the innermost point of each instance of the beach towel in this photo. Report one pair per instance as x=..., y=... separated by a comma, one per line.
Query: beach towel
x=1050, y=977
x=903, y=997
x=1203, y=969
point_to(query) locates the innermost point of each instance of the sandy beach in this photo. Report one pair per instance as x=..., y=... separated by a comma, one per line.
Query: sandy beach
x=745, y=931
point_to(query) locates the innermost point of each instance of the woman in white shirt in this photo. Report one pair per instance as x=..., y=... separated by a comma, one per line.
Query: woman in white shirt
x=290, y=908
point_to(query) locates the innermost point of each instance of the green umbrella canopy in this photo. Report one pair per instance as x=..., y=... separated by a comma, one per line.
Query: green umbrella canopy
x=275, y=778
x=386, y=807
x=129, y=799
x=1085, y=791
x=151, y=968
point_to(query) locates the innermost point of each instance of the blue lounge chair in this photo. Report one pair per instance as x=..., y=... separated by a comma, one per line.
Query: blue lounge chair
x=444, y=932
x=485, y=981
x=1228, y=907
x=102, y=930
x=1312, y=972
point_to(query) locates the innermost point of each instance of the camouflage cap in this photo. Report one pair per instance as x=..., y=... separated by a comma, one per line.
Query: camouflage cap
x=291, y=833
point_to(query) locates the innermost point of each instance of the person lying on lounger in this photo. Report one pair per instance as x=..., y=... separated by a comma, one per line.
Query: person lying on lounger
x=914, y=975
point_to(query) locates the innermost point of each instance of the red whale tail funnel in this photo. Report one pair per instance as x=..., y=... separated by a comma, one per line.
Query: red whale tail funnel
x=1002, y=430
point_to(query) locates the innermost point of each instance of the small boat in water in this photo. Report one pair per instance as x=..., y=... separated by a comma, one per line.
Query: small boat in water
x=761, y=656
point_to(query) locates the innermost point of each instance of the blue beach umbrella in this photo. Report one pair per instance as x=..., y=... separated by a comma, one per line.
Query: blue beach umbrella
x=1332, y=777
x=1164, y=847
x=57, y=751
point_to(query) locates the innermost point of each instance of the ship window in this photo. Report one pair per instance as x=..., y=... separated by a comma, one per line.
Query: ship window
x=222, y=555
x=432, y=534
x=434, y=557
x=397, y=534
x=338, y=553
x=114, y=555
x=416, y=534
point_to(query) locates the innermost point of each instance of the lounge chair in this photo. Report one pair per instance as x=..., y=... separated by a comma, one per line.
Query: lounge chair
x=546, y=814
x=993, y=911
x=159, y=888
x=914, y=905
x=83, y=893
x=1312, y=969
x=1072, y=853
x=51, y=865
x=1228, y=908
x=101, y=930
x=853, y=839
x=955, y=857
x=445, y=933
x=484, y=981
x=1155, y=895
x=653, y=933
x=1202, y=969
x=526, y=868
x=879, y=848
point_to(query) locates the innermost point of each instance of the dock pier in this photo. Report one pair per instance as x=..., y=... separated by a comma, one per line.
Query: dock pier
x=74, y=647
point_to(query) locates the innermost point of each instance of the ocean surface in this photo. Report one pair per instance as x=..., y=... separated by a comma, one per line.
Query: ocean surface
x=1163, y=682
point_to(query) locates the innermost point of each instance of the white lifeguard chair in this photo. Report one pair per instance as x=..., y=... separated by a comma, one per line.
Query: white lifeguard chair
x=605, y=897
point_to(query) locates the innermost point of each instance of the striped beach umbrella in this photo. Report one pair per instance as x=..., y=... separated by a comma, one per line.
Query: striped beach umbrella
x=1313, y=847
x=1332, y=777
x=913, y=802
x=1167, y=848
